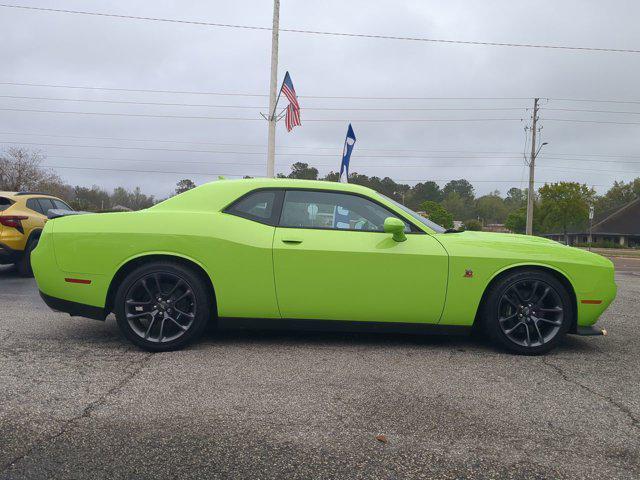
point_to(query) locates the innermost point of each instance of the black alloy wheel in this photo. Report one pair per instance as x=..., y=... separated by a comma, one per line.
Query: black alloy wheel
x=162, y=306
x=530, y=313
x=527, y=311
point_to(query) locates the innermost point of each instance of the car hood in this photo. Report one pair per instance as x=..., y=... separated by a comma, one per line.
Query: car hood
x=514, y=246
x=502, y=238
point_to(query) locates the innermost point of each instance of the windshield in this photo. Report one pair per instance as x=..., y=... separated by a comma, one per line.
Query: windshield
x=419, y=218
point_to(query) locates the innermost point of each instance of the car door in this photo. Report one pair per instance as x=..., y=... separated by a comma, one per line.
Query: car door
x=46, y=204
x=38, y=220
x=332, y=260
x=246, y=286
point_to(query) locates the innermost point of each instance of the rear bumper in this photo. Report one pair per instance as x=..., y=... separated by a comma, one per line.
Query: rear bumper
x=74, y=309
x=9, y=255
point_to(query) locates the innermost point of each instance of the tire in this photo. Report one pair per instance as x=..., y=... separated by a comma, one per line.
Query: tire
x=174, y=321
x=533, y=318
x=24, y=264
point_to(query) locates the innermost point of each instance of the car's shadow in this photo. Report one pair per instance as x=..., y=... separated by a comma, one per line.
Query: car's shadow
x=8, y=271
x=340, y=339
x=448, y=343
x=107, y=334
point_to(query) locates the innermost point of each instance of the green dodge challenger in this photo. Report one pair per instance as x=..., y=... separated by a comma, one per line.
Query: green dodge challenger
x=317, y=255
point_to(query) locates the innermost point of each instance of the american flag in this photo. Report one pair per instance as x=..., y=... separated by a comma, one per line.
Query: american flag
x=292, y=118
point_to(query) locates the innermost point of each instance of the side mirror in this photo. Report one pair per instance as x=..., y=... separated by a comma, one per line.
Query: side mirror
x=396, y=227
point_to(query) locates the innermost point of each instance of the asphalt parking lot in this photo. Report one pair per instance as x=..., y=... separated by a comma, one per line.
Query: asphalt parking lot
x=77, y=401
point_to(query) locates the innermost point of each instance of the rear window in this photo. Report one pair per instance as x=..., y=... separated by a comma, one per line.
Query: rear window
x=60, y=205
x=257, y=206
x=5, y=203
x=32, y=204
x=46, y=204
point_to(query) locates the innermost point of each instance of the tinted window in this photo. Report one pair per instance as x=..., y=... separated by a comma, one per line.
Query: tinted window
x=258, y=206
x=33, y=204
x=59, y=204
x=46, y=205
x=4, y=203
x=336, y=211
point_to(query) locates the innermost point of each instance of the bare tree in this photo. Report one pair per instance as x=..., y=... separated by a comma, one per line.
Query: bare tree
x=20, y=170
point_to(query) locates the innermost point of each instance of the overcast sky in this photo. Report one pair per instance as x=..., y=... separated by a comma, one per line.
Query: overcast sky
x=65, y=49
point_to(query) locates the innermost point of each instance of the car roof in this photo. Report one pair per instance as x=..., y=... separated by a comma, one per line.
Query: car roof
x=26, y=195
x=218, y=194
x=295, y=183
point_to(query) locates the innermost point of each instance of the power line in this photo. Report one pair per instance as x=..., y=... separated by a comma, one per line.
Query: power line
x=472, y=154
x=336, y=149
x=244, y=164
x=544, y=155
x=117, y=147
x=235, y=94
x=125, y=102
x=239, y=175
x=136, y=90
x=101, y=169
x=155, y=140
x=569, y=120
x=321, y=120
x=402, y=165
x=330, y=97
x=129, y=114
x=335, y=164
x=633, y=172
x=324, y=33
x=564, y=159
x=590, y=111
x=593, y=100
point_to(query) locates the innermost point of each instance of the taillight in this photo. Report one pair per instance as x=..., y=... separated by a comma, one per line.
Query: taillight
x=13, y=221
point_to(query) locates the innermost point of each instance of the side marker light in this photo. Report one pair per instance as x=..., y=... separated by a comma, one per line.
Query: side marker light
x=78, y=280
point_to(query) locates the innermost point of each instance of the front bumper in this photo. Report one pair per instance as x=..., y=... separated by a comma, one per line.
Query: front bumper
x=74, y=309
x=590, y=331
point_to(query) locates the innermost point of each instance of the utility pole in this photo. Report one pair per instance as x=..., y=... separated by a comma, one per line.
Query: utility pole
x=591, y=211
x=532, y=169
x=271, y=148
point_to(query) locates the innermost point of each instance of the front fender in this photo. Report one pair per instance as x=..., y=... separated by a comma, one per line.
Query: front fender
x=590, y=275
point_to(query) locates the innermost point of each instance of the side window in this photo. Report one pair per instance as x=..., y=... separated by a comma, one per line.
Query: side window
x=5, y=203
x=45, y=205
x=59, y=204
x=33, y=204
x=334, y=211
x=258, y=206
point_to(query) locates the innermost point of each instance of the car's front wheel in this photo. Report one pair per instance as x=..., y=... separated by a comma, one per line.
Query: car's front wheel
x=162, y=306
x=527, y=312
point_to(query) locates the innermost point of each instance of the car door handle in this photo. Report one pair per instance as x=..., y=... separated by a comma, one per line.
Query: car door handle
x=291, y=241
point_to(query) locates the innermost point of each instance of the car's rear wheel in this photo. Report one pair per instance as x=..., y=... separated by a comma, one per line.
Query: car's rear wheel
x=162, y=306
x=24, y=264
x=527, y=312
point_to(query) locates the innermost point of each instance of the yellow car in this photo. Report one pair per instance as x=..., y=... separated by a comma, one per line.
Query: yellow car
x=22, y=218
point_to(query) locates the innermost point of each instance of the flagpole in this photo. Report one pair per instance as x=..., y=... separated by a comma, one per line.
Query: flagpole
x=346, y=176
x=271, y=148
